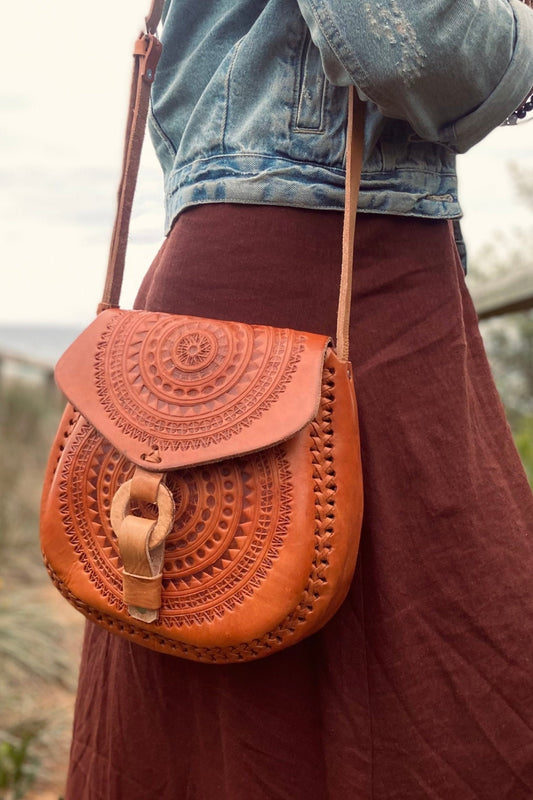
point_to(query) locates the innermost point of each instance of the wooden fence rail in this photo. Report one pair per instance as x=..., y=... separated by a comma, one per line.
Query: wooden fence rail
x=514, y=292
x=26, y=367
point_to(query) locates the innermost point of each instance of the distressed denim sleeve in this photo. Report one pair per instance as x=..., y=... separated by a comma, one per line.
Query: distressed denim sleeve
x=454, y=69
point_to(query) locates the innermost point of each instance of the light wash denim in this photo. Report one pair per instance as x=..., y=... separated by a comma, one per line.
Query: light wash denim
x=249, y=101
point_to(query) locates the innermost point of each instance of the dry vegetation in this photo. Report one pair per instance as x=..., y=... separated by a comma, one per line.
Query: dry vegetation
x=40, y=634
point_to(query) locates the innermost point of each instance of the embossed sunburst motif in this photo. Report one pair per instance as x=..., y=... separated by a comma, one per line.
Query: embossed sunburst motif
x=195, y=351
x=194, y=381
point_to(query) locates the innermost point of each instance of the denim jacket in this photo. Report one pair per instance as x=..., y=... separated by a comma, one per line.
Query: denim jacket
x=249, y=100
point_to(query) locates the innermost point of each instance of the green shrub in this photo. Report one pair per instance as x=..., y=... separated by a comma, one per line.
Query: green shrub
x=38, y=659
x=28, y=417
x=18, y=765
x=524, y=442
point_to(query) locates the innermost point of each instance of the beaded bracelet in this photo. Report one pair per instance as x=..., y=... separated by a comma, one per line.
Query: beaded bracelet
x=521, y=111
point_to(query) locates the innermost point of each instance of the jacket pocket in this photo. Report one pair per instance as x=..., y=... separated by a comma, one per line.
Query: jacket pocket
x=311, y=90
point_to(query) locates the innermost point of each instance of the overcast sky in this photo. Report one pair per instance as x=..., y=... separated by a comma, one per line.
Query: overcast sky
x=65, y=73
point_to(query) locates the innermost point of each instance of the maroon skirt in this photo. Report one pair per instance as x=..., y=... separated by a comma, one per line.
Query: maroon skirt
x=422, y=684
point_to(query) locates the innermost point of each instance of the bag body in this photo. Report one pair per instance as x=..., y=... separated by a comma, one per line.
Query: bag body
x=203, y=495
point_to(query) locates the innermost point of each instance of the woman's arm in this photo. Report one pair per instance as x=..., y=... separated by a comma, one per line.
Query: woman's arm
x=455, y=69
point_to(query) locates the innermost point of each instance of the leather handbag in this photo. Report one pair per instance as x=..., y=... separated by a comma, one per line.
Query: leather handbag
x=203, y=495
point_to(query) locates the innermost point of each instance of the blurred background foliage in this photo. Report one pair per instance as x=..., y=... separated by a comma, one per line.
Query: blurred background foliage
x=509, y=339
x=39, y=633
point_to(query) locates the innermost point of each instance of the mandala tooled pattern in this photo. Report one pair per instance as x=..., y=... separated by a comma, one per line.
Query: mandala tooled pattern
x=194, y=381
x=322, y=447
x=230, y=522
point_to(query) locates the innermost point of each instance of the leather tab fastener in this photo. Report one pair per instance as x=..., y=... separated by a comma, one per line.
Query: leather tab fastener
x=141, y=541
x=148, y=49
x=143, y=593
x=104, y=307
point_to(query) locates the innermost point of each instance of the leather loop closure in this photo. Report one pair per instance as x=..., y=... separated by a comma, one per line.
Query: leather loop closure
x=125, y=498
x=146, y=486
x=141, y=540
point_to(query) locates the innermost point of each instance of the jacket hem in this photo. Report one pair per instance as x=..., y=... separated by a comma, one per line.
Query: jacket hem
x=256, y=179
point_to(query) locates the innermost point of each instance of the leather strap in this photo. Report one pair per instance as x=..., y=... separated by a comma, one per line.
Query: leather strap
x=154, y=16
x=354, y=162
x=146, y=54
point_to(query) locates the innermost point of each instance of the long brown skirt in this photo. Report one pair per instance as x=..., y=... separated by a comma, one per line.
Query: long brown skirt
x=422, y=684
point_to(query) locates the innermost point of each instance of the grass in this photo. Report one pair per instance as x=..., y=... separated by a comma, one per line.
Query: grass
x=39, y=633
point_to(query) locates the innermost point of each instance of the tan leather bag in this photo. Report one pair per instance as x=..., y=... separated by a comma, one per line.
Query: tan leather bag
x=203, y=495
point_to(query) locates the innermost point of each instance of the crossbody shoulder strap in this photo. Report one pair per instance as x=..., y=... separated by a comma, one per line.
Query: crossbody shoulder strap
x=355, y=132
x=147, y=51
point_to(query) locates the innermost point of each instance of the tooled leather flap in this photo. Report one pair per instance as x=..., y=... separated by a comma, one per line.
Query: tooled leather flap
x=172, y=391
